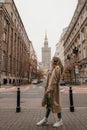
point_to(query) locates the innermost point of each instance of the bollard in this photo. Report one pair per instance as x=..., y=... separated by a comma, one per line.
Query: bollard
x=71, y=99
x=18, y=108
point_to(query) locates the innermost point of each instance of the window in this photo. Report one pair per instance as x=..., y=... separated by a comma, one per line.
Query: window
x=3, y=60
x=11, y=39
x=11, y=15
x=4, y=36
x=15, y=22
x=15, y=38
x=10, y=63
x=4, y=23
x=14, y=65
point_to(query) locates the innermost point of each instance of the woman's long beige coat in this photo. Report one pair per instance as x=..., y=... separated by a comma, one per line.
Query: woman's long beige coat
x=52, y=86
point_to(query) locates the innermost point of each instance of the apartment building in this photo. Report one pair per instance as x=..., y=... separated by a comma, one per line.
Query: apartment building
x=75, y=44
x=60, y=48
x=14, y=45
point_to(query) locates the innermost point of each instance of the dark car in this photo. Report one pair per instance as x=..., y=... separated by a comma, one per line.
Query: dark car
x=62, y=82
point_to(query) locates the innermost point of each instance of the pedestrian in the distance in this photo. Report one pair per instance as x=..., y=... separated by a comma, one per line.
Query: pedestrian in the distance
x=52, y=93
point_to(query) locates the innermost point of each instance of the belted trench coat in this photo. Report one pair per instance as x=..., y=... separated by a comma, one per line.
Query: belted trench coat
x=52, y=86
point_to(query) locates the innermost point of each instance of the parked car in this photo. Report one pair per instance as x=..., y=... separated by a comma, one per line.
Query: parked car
x=35, y=81
x=62, y=82
x=41, y=80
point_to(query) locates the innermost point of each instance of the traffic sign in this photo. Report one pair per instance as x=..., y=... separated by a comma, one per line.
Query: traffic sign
x=76, y=69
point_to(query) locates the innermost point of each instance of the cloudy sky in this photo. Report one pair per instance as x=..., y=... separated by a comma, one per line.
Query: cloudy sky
x=40, y=16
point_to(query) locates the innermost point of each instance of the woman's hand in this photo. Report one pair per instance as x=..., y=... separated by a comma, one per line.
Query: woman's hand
x=47, y=93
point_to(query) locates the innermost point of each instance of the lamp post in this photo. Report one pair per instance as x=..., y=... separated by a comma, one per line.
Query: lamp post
x=75, y=51
x=70, y=88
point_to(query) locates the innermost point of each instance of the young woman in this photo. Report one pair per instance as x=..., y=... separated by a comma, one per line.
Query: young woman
x=52, y=91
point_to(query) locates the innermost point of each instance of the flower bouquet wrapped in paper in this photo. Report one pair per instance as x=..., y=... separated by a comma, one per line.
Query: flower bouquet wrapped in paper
x=48, y=102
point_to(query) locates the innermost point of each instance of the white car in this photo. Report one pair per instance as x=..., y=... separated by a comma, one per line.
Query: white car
x=35, y=81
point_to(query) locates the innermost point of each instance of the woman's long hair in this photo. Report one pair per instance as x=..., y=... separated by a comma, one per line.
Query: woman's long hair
x=57, y=61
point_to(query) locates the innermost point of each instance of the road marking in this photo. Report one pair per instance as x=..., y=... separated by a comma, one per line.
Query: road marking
x=78, y=90
x=64, y=90
x=40, y=87
x=6, y=93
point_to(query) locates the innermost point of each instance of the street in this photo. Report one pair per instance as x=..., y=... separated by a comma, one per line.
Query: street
x=30, y=93
x=32, y=112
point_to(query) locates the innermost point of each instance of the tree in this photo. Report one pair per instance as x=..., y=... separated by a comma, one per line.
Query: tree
x=40, y=74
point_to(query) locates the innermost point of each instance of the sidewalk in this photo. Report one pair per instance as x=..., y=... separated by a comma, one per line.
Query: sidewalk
x=7, y=88
x=32, y=112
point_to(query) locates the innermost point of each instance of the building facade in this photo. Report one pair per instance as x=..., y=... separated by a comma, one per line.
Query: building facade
x=33, y=63
x=46, y=55
x=60, y=48
x=75, y=44
x=14, y=45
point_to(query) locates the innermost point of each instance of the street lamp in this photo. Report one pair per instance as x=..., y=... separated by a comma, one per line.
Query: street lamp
x=70, y=88
x=75, y=51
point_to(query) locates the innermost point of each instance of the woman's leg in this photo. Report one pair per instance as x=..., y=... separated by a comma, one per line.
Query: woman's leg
x=44, y=120
x=59, y=115
x=59, y=122
x=47, y=113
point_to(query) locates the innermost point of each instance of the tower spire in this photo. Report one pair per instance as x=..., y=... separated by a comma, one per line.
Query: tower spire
x=46, y=40
x=46, y=35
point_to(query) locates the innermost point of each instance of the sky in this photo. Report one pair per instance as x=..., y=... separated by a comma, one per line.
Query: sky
x=45, y=16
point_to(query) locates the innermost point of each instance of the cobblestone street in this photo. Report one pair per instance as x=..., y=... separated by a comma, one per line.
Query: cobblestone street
x=32, y=112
